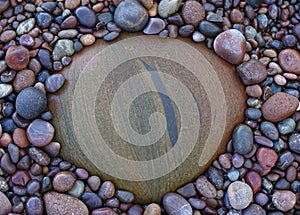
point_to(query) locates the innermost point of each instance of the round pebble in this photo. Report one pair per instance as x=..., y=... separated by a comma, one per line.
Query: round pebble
x=131, y=16
x=30, y=103
x=17, y=57
x=289, y=60
x=231, y=46
x=152, y=209
x=63, y=181
x=40, y=133
x=284, y=200
x=193, y=13
x=240, y=195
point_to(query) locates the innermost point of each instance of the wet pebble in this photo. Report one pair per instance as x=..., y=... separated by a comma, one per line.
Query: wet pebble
x=5, y=90
x=174, y=204
x=231, y=46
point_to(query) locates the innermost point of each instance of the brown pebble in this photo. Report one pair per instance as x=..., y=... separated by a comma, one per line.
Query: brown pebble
x=87, y=39
x=23, y=79
x=254, y=91
x=69, y=23
x=152, y=209
x=72, y=4
x=193, y=13
x=236, y=16
x=7, y=36
x=63, y=181
x=279, y=106
x=17, y=57
x=266, y=157
x=291, y=174
x=20, y=138
x=289, y=60
x=252, y=72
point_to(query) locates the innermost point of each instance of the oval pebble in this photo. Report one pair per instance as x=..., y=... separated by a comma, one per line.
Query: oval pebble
x=86, y=16
x=279, y=106
x=174, y=204
x=5, y=205
x=58, y=203
x=206, y=188
x=242, y=139
x=54, y=82
x=17, y=57
x=284, y=200
x=289, y=60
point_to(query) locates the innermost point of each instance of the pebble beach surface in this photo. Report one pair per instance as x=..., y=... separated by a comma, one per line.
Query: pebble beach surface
x=258, y=174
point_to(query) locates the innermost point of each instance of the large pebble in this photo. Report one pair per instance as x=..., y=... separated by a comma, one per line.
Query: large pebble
x=279, y=106
x=231, y=46
x=206, y=188
x=168, y=7
x=154, y=26
x=86, y=16
x=4, y=5
x=5, y=205
x=40, y=133
x=242, y=139
x=64, y=181
x=289, y=60
x=30, y=103
x=266, y=157
x=131, y=16
x=252, y=72
x=240, y=195
x=17, y=57
x=57, y=203
x=193, y=13
x=284, y=200
x=175, y=204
